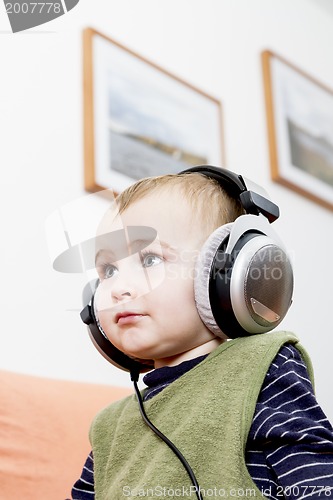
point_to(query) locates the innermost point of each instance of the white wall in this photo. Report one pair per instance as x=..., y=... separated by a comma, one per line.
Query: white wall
x=213, y=44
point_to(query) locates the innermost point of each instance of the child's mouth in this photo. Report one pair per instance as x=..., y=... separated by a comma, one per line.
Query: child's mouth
x=128, y=318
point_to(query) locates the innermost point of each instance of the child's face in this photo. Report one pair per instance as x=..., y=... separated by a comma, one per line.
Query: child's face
x=145, y=300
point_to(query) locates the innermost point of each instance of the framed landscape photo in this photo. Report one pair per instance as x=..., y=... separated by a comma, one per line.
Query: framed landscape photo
x=300, y=129
x=140, y=120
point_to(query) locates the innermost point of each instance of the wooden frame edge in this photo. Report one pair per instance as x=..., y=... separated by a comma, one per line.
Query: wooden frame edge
x=266, y=57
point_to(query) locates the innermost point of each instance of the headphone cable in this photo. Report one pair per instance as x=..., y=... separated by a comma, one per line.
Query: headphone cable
x=134, y=377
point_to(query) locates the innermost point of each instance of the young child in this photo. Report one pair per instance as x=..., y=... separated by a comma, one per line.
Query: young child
x=242, y=412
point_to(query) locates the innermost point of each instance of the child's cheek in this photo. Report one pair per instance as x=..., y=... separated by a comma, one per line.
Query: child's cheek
x=180, y=274
x=156, y=276
x=102, y=298
x=105, y=319
x=171, y=272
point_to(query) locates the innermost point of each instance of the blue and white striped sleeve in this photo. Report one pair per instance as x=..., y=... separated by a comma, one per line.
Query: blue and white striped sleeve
x=84, y=488
x=292, y=432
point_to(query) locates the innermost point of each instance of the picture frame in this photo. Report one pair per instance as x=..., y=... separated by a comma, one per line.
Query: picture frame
x=299, y=111
x=140, y=120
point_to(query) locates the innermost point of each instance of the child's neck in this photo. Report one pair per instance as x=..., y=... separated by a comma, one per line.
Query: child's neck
x=200, y=350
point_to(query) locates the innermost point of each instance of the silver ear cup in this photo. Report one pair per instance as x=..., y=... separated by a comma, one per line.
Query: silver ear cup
x=202, y=277
x=261, y=285
x=244, y=279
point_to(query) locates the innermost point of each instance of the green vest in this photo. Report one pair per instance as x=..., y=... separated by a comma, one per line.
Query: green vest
x=207, y=413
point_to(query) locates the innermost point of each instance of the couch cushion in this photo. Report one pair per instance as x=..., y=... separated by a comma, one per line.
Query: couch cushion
x=44, y=426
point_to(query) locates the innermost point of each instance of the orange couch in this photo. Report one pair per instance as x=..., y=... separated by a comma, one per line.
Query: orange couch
x=44, y=426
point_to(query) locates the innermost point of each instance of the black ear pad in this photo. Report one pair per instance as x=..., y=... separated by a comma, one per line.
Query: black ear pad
x=244, y=279
x=102, y=343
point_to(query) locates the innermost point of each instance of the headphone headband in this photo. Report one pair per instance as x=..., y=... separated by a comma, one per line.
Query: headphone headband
x=234, y=185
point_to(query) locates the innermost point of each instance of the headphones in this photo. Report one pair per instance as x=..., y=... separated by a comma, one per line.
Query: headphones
x=243, y=279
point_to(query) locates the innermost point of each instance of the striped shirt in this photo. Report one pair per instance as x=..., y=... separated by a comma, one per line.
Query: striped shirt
x=289, y=452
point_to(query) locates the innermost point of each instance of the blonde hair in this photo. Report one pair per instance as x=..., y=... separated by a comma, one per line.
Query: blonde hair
x=210, y=203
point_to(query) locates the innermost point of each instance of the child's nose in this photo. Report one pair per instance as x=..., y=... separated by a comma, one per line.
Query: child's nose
x=123, y=291
x=130, y=282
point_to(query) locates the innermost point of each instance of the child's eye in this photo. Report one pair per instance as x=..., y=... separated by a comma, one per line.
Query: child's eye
x=150, y=260
x=108, y=271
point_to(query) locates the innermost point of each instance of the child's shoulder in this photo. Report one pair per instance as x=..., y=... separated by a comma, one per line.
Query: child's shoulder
x=288, y=356
x=291, y=360
x=112, y=411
